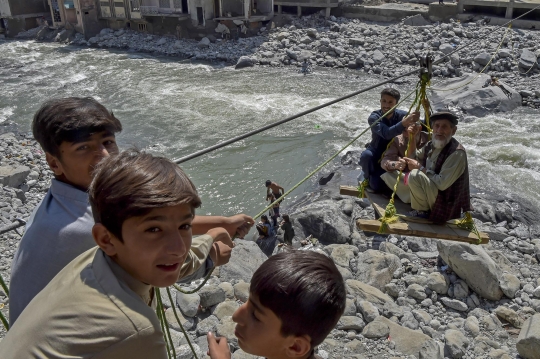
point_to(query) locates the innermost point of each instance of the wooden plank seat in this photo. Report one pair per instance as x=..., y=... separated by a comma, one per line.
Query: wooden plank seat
x=411, y=226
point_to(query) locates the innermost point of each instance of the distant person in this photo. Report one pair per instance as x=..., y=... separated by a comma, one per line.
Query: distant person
x=439, y=178
x=288, y=230
x=295, y=299
x=393, y=160
x=75, y=135
x=103, y=303
x=263, y=227
x=306, y=67
x=441, y=2
x=275, y=189
x=382, y=133
x=274, y=210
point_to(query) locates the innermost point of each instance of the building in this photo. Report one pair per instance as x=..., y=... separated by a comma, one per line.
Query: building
x=299, y=4
x=17, y=15
x=80, y=15
x=500, y=11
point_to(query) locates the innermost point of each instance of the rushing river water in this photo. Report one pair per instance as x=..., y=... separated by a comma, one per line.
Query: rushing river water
x=175, y=108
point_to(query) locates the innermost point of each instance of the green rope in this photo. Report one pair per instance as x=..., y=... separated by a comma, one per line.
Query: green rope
x=199, y=287
x=4, y=286
x=163, y=325
x=166, y=331
x=180, y=323
x=362, y=188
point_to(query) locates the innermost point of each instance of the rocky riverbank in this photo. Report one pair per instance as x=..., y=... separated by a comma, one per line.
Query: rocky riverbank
x=385, y=49
x=407, y=296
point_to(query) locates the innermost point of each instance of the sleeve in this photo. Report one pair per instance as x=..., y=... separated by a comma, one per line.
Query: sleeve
x=391, y=154
x=200, y=248
x=452, y=168
x=421, y=153
x=382, y=130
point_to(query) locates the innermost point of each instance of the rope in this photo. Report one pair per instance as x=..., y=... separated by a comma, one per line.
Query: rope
x=180, y=323
x=166, y=331
x=3, y=319
x=483, y=69
x=467, y=223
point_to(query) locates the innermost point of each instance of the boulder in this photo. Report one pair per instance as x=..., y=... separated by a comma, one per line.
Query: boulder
x=246, y=257
x=454, y=304
x=342, y=255
x=13, y=176
x=325, y=221
x=376, y=268
x=375, y=330
x=527, y=60
x=455, y=343
x=368, y=310
x=244, y=61
x=482, y=58
x=474, y=99
x=475, y=266
x=225, y=309
x=293, y=55
x=509, y=315
x=509, y=284
x=211, y=295
x=362, y=291
x=241, y=291
x=312, y=32
x=378, y=57
x=350, y=323
x=204, y=43
x=528, y=342
x=416, y=20
x=504, y=53
x=188, y=303
x=446, y=48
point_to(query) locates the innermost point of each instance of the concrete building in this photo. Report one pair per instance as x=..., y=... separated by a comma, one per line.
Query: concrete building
x=500, y=11
x=299, y=4
x=80, y=15
x=18, y=15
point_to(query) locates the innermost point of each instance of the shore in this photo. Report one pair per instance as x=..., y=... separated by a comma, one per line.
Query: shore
x=399, y=287
x=384, y=49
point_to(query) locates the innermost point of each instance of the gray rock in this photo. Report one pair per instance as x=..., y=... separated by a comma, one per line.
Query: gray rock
x=244, y=61
x=407, y=341
x=240, y=354
x=207, y=325
x=461, y=289
x=312, y=32
x=228, y=289
x=184, y=351
x=391, y=248
x=472, y=326
x=13, y=176
x=378, y=57
x=528, y=342
x=422, y=316
x=368, y=310
x=350, y=307
x=409, y=321
x=504, y=53
x=474, y=265
x=293, y=55
x=416, y=291
x=509, y=315
x=187, y=323
x=225, y=309
x=454, y=304
x=226, y=329
x=509, y=284
x=241, y=291
x=325, y=221
x=431, y=350
x=446, y=48
x=455, y=343
x=246, y=257
x=342, y=255
x=375, y=330
x=437, y=283
x=350, y=323
x=211, y=295
x=188, y=303
x=377, y=268
x=527, y=60
x=363, y=291
x=482, y=58
x=416, y=20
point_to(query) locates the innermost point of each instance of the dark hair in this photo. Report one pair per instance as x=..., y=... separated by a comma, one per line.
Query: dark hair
x=305, y=291
x=71, y=119
x=286, y=218
x=391, y=92
x=132, y=183
x=265, y=217
x=268, y=183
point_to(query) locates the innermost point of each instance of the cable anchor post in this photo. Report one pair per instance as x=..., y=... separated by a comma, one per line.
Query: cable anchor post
x=426, y=67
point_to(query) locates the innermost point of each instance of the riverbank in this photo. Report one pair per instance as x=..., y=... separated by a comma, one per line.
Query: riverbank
x=383, y=49
x=399, y=287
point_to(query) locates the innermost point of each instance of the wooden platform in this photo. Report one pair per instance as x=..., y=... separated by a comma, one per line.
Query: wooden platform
x=411, y=226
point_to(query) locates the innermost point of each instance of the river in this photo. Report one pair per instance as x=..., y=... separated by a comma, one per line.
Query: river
x=176, y=107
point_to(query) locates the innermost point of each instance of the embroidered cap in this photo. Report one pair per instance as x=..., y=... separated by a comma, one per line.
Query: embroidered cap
x=444, y=115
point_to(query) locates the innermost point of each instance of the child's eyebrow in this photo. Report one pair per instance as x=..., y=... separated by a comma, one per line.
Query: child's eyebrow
x=257, y=308
x=163, y=218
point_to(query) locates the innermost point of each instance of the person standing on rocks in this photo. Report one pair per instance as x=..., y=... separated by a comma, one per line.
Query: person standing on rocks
x=288, y=230
x=75, y=134
x=274, y=188
x=390, y=126
x=282, y=317
x=394, y=159
x=439, y=177
x=102, y=304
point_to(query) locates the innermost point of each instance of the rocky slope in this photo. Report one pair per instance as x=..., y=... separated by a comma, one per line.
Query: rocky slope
x=386, y=49
x=407, y=296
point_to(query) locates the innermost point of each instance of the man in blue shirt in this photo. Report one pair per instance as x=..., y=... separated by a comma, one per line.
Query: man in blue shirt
x=382, y=133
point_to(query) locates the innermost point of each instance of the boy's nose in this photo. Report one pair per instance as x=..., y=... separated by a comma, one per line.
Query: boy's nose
x=177, y=244
x=237, y=315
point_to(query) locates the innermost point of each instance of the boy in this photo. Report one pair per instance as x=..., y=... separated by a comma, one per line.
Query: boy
x=75, y=134
x=273, y=187
x=101, y=304
x=296, y=298
x=382, y=133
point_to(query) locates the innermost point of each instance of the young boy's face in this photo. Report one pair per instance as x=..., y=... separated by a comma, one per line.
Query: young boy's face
x=258, y=330
x=77, y=160
x=155, y=246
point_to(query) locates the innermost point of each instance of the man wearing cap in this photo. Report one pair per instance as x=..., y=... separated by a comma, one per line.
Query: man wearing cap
x=439, y=177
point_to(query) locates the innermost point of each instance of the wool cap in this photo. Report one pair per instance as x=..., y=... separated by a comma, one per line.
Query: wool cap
x=444, y=115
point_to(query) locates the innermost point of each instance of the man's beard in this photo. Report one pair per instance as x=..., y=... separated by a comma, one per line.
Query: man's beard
x=440, y=143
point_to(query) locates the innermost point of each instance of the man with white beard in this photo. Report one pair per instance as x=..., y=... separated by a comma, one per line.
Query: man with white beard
x=439, y=177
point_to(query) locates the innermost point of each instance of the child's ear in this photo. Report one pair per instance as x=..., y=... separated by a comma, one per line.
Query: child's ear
x=103, y=239
x=54, y=164
x=300, y=347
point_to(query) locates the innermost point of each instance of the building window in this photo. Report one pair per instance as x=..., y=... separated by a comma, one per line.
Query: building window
x=56, y=11
x=118, y=4
x=68, y=4
x=135, y=5
x=142, y=27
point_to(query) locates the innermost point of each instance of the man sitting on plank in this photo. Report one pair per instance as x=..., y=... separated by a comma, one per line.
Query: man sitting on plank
x=439, y=178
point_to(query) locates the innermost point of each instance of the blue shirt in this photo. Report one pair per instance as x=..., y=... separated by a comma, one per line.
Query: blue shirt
x=385, y=130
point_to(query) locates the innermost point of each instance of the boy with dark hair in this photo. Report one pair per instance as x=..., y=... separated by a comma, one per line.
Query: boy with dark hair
x=296, y=298
x=75, y=134
x=382, y=133
x=101, y=304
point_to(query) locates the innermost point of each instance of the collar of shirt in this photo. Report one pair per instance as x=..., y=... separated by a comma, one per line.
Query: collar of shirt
x=59, y=188
x=142, y=290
